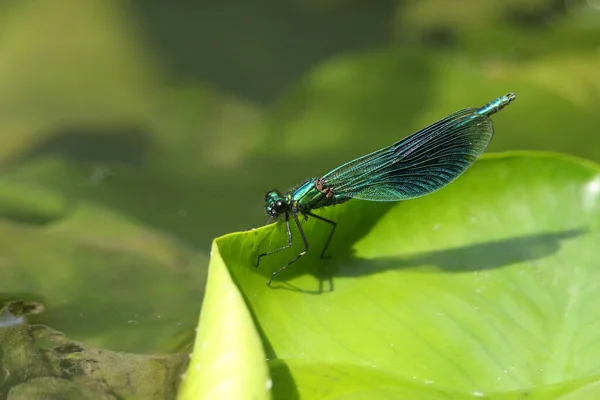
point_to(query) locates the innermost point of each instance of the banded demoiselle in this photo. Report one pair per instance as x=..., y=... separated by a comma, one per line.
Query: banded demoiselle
x=415, y=166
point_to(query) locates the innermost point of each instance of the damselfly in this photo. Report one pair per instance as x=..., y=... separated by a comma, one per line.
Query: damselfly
x=415, y=166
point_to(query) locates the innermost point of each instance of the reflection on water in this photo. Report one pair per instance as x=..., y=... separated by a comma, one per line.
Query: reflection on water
x=7, y=319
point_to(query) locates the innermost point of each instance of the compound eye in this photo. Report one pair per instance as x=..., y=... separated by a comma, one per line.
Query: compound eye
x=279, y=206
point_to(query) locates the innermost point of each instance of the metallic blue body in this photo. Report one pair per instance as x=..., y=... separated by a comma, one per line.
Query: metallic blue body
x=417, y=165
x=413, y=167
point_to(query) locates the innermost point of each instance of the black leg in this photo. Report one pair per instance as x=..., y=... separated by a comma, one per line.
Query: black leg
x=330, y=233
x=299, y=255
x=289, y=235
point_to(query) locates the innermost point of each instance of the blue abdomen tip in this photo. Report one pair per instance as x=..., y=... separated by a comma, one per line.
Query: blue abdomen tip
x=497, y=105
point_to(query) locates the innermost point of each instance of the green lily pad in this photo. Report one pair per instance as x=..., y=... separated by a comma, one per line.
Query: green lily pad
x=485, y=289
x=100, y=276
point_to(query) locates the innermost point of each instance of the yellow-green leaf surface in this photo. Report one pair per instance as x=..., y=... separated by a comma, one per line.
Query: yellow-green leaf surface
x=228, y=359
x=485, y=289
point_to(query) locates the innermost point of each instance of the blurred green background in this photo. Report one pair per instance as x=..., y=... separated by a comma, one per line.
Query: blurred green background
x=134, y=132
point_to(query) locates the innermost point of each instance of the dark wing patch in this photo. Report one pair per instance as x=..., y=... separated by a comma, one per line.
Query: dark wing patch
x=417, y=165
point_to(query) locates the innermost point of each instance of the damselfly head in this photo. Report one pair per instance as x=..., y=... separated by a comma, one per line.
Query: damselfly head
x=275, y=203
